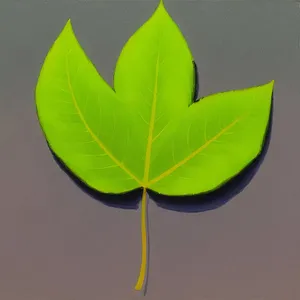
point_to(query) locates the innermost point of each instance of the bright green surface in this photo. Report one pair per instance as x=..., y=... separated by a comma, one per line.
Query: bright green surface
x=214, y=140
x=84, y=122
x=146, y=134
x=155, y=73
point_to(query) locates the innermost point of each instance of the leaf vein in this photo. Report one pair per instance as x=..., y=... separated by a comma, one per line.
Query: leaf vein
x=193, y=154
x=151, y=125
x=97, y=140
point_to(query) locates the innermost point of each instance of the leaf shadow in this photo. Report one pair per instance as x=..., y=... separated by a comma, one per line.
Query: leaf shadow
x=196, y=82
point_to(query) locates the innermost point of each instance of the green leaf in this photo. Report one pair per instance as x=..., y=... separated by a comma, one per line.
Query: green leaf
x=147, y=132
x=215, y=139
x=85, y=123
x=155, y=75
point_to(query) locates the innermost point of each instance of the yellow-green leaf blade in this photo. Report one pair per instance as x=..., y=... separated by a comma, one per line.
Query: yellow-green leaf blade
x=83, y=120
x=217, y=138
x=154, y=74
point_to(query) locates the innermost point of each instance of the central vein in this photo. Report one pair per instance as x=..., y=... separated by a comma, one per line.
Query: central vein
x=151, y=126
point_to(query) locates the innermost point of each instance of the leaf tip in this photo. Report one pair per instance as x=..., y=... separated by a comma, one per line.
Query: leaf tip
x=68, y=24
x=270, y=85
x=68, y=29
x=161, y=5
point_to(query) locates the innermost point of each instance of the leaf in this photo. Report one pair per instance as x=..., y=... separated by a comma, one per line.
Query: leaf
x=146, y=133
x=85, y=123
x=155, y=75
x=215, y=139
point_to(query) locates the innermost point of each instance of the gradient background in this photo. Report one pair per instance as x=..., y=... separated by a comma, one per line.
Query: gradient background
x=57, y=243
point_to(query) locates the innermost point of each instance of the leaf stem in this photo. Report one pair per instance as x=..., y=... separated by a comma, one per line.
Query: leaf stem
x=141, y=280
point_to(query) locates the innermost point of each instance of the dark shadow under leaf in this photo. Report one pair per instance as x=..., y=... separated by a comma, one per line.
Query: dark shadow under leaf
x=196, y=83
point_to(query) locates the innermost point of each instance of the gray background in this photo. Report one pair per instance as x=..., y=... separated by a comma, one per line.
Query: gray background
x=58, y=243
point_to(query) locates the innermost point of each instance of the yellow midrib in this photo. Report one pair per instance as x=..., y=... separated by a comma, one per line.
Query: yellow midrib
x=151, y=126
x=193, y=154
x=89, y=130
